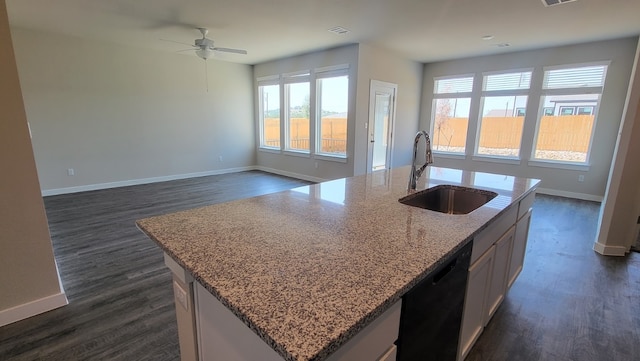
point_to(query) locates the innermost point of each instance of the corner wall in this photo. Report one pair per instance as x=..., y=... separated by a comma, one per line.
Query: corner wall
x=29, y=282
x=617, y=225
x=380, y=64
x=117, y=114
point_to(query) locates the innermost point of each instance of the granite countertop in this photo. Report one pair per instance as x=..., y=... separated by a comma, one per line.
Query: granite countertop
x=308, y=268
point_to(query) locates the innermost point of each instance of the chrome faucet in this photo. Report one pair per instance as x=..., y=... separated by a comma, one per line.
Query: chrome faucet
x=416, y=173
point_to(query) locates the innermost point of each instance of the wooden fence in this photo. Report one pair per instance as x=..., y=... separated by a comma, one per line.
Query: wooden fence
x=334, y=134
x=557, y=133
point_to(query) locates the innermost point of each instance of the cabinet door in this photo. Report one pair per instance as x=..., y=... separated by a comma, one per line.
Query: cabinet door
x=519, y=247
x=499, y=274
x=475, y=302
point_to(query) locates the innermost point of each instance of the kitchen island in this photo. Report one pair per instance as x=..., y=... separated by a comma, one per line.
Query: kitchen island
x=307, y=270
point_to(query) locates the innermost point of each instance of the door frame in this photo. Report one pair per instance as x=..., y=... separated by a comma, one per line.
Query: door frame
x=373, y=87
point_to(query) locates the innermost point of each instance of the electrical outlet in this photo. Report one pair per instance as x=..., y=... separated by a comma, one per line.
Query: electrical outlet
x=220, y=158
x=181, y=295
x=71, y=172
x=581, y=178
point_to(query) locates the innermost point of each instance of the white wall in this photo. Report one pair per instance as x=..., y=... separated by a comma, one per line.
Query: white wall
x=619, y=52
x=304, y=165
x=365, y=63
x=29, y=281
x=617, y=226
x=381, y=64
x=116, y=113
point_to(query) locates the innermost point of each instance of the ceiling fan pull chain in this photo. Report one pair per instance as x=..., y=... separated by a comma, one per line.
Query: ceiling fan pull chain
x=206, y=74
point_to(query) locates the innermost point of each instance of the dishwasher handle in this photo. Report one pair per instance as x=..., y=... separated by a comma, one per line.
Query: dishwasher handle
x=445, y=271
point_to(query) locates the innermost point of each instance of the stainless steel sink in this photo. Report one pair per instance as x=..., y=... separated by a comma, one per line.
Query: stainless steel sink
x=449, y=199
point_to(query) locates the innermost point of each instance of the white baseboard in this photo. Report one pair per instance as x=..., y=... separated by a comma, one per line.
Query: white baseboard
x=133, y=182
x=32, y=308
x=605, y=250
x=583, y=196
x=291, y=174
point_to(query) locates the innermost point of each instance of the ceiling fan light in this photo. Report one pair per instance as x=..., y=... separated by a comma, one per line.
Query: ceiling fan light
x=204, y=53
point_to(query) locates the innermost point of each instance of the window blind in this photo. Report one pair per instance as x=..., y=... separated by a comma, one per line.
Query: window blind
x=588, y=76
x=507, y=81
x=453, y=85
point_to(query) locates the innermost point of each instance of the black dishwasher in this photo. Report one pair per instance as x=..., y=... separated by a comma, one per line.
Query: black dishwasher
x=432, y=312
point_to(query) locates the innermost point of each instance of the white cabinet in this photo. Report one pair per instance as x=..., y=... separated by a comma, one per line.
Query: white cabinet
x=519, y=247
x=499, y=273
x=475, y=300
x=496, y=260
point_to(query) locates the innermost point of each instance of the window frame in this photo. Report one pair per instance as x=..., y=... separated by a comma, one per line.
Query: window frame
x=311, y=77
x=451, y=96
x=327, y=73
x=516, y=92
x=585, y=90
x=262, y=82
x=288, y=79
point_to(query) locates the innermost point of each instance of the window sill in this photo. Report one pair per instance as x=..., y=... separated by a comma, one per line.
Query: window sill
x=270, y=150
x=331, y=158
x=449, y=155
x=559, y=165
x=297, y=153
x=503, y=160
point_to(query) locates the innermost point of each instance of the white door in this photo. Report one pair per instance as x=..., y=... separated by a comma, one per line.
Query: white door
x=382, y=110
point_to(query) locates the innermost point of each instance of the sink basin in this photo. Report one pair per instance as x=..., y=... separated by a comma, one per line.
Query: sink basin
x=449, y=199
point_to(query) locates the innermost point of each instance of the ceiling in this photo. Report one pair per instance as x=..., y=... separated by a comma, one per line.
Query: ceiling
x=421, y=30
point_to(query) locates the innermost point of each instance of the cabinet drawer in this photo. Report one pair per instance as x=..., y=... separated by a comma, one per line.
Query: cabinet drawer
x=485, y=239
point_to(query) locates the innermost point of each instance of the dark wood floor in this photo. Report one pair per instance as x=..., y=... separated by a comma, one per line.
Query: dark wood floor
x=120, y=293
x=568, y=304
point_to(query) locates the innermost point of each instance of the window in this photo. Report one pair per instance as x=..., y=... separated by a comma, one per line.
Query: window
x=301, y=120
x=297, y=116
x=566, y=110
x=269, y=115
x=332, y=104
x=450, y=117
x=585, y=111
x=565, y=135
x=503, y=104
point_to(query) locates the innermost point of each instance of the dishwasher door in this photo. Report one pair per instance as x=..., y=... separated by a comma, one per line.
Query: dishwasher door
x=432, y=312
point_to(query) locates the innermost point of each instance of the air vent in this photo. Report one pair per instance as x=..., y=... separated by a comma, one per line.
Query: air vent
x=556, y=2
x=338, y=30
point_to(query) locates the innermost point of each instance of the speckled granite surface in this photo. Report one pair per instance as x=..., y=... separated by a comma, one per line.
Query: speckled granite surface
x=308, y=268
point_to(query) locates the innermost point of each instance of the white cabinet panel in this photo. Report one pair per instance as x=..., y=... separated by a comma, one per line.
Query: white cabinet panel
x=519, y=247
x=474, y=304
x=499, y=274
x=223, y=337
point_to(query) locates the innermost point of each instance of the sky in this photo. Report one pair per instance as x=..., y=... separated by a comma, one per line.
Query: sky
x=334, y=94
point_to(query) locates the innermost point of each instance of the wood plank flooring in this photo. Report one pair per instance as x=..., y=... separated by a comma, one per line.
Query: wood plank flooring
x=568, y=304
x=119, y=291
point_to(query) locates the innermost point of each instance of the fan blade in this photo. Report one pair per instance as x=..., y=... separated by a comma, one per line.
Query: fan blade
x=177, y=42
x=192, y=49
x=228, y=50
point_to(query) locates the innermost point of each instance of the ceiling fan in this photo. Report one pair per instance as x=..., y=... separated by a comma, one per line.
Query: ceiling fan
x=205, y=47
